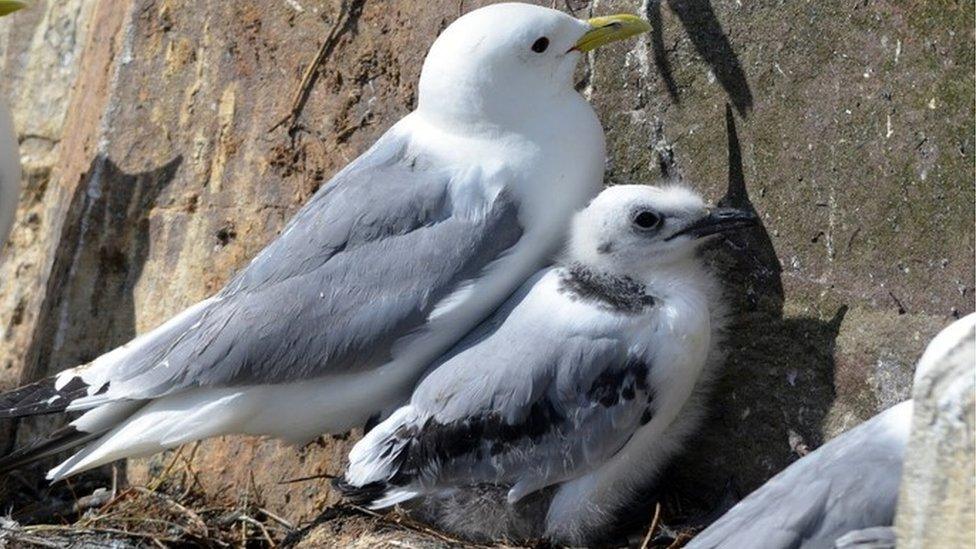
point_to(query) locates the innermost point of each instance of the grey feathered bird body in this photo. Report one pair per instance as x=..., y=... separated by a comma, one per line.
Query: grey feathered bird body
x=554, y=411
x=317, y=301
x=848, y=484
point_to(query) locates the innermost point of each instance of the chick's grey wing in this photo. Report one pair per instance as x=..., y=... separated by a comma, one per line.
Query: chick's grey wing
x=360, y=266
x=525, y=411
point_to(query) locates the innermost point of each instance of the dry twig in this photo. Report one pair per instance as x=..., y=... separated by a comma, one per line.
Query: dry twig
x=303, y=479
x=195, y=518
x=407, y=523
x=347, y=15
x=276, y=518
x=650, y=531
x=158, y=481
x=69, y=529
x=680, y=540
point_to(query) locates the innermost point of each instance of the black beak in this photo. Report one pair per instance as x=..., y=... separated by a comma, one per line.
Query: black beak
x=719, y=220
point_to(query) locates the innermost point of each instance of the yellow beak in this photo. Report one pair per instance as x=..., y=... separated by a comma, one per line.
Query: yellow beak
x=10, y=6
x=611, y=28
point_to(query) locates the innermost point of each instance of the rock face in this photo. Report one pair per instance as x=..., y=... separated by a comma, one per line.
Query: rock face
x=156, y=166
x=937, y=504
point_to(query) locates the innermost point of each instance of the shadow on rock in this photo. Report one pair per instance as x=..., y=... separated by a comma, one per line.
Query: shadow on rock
x=710, y=41
x=775, y=388
x=89, y=306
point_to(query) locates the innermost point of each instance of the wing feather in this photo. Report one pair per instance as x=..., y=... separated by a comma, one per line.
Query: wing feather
x=520, y=402
x=361, y=266
x=850, y=483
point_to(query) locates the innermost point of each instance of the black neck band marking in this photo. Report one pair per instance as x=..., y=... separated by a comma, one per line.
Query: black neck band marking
x=616, y=293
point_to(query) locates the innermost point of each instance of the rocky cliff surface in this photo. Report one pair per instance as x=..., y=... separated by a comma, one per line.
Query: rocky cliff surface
x=165, y=142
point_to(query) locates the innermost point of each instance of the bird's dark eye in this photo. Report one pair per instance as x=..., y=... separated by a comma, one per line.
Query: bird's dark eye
x=646, y=220
x=540, y=45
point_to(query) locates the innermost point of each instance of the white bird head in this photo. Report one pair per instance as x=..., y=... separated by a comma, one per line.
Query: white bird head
x=627, y=229
x=504, y=62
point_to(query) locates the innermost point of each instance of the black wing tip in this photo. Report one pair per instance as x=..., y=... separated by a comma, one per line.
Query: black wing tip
x=364, y=495
x=64, y=438
x=41, y=397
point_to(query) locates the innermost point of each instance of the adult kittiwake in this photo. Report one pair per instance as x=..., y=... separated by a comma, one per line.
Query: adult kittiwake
x=579, y=384
x=388, y=265
x=9, y=154
x=844, y=493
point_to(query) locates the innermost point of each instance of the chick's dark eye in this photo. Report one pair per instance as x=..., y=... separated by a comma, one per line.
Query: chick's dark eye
x=540, y=45
x=646, y=220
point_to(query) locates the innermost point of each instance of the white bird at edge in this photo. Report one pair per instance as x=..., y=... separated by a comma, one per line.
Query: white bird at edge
x=582, y=382
x=388, y=265
x=844, y=493
x=9, y=155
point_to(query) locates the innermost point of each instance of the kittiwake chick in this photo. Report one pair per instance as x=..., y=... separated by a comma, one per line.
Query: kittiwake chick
x=577, y=384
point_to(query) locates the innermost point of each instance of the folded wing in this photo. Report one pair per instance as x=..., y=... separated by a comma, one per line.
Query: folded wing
x=850, y=483
x=520, y=404
x=359, y=268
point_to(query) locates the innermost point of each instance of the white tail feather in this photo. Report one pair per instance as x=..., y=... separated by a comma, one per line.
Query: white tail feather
x=373, y=459
x=393, y=497
x=159, y=425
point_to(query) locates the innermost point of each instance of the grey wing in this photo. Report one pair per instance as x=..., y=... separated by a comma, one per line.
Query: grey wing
x=9, y=173
x=360, y=266
x=850, y=483
x=526, y=411
x=877, y=537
